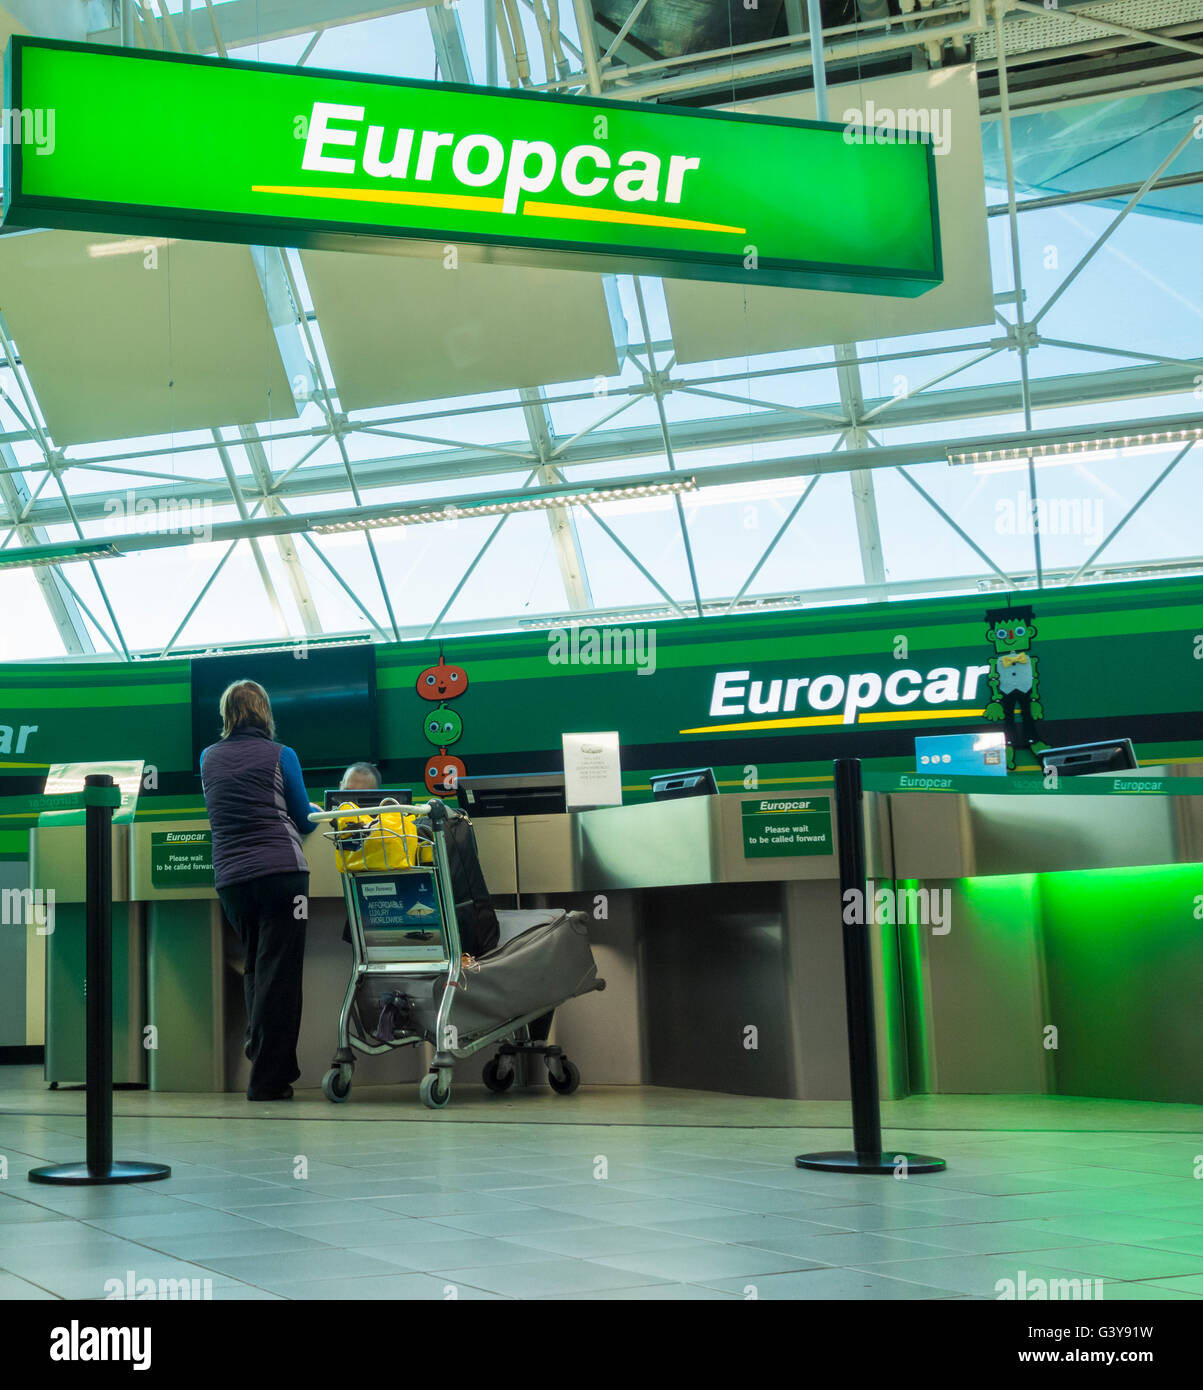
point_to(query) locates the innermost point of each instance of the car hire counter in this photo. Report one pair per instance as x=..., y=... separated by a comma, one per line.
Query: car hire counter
x=1025, y=940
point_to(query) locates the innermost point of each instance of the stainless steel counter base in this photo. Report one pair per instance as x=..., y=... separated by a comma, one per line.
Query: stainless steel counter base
x=725, y=971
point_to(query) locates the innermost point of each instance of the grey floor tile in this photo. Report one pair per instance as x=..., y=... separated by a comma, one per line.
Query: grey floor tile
x=1125, y=1261
x=1190, y=1215
x=452, y=1254
x=652, y=1293
x=11, y=1288
x=268, y=1194
x=385, y=1230
x=393, y=1286
x=546, y=1277
x=243, y=1293
x=1115, y=1228
x=173, y=1223
x=748, y=1227
x=294, y=1217
x=981, y=1275
x=991, y=1238
x=652, y=1212
x=846, y=1248
x=95, y=1251
x=879, y=1218
x=217, y=1183
x=435, y=1204
x=517, y=1223
x=596, y=1241
x=1188, y=1245
x=1151, y=1292
x=267, y=1271
x=14, y=1211
x=86, y=1203
x=839, y=1284
x=258, y=1240
x=352, y=1189
x=707, y=1262
x=93, y=1281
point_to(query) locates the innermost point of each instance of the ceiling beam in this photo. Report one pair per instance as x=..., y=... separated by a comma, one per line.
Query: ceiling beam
x=747, y=428
x=247, y=22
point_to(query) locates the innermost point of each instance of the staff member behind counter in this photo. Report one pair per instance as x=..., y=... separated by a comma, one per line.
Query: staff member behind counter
x=258, y=811
x=359, y=777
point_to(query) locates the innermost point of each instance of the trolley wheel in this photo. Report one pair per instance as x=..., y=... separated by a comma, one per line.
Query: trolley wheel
x=433, y=1097
x=335, y=1087
x=567, y=1083
x=493, y=1081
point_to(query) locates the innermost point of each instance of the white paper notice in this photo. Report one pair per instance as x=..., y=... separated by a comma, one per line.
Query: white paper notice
x=592, y=770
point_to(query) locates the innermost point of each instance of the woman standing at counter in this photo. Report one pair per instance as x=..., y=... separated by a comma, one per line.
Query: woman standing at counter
x=258, y=812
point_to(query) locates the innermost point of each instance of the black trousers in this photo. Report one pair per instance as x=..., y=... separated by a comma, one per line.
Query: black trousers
x=269, y=915
x=1011, y=700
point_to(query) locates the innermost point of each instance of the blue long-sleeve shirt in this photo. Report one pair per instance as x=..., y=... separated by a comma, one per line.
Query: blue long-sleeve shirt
x=258, y=807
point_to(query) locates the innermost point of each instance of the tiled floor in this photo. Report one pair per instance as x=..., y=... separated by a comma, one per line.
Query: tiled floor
x=288, y=1205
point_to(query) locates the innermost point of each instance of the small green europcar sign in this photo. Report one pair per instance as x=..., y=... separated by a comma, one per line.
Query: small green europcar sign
x=111, y=140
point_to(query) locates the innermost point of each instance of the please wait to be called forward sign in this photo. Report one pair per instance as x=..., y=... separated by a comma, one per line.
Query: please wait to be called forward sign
x=786, y=826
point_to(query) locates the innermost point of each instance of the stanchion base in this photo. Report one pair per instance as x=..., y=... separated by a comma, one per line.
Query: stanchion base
x=80, y=1175
x=846, y=1161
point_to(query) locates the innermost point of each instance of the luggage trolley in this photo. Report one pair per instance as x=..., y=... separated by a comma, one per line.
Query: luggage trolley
x=406, y=947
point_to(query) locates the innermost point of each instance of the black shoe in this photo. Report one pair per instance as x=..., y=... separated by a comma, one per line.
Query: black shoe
x=285, y=1094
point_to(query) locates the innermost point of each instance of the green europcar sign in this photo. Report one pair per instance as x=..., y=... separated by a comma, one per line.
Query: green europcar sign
x=179, y=145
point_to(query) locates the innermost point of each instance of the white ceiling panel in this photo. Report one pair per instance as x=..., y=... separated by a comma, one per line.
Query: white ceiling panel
x=715, y=321
x=400, y=328
x=124, y=337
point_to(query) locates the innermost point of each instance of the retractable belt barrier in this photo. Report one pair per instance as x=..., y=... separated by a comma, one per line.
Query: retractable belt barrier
x=98, y=799
x=866, y=1155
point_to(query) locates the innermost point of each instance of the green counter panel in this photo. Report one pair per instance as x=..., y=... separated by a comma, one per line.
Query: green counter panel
x=66, y=997
x=184, y=1000
x=1123, y=952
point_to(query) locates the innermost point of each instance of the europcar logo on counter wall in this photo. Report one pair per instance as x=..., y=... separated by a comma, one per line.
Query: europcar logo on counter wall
x=295, y=157
x=863, y=697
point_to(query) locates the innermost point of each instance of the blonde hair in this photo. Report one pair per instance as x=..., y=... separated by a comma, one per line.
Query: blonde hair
x=245, y=705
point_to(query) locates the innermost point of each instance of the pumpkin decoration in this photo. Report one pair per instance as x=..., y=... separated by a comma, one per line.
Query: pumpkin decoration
x=442, y=682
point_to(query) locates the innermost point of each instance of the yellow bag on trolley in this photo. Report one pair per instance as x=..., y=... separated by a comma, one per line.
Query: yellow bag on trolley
x=367, y=842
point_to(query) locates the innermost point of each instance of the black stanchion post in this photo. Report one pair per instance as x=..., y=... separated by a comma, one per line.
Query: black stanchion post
x=866, y=1155
x=98, y=842
x=99, y=1168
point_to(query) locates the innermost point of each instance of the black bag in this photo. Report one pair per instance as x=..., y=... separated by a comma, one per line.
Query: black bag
x=479, y=930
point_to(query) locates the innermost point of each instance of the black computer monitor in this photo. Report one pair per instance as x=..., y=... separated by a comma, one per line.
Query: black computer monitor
x=698, y=781
x=324, y=706
x=370, y=797
x=1082, y=759
x=517, y=794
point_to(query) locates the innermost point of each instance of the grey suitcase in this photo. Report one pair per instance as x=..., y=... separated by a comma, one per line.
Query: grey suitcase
x=533, y=972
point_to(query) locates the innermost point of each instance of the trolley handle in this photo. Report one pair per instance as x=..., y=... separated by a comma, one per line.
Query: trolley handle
x=435, y=810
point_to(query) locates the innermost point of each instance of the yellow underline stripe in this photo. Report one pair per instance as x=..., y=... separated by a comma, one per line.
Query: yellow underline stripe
x=811, y=721
x=901, y=716
x=465, y=202
x=638, y=219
